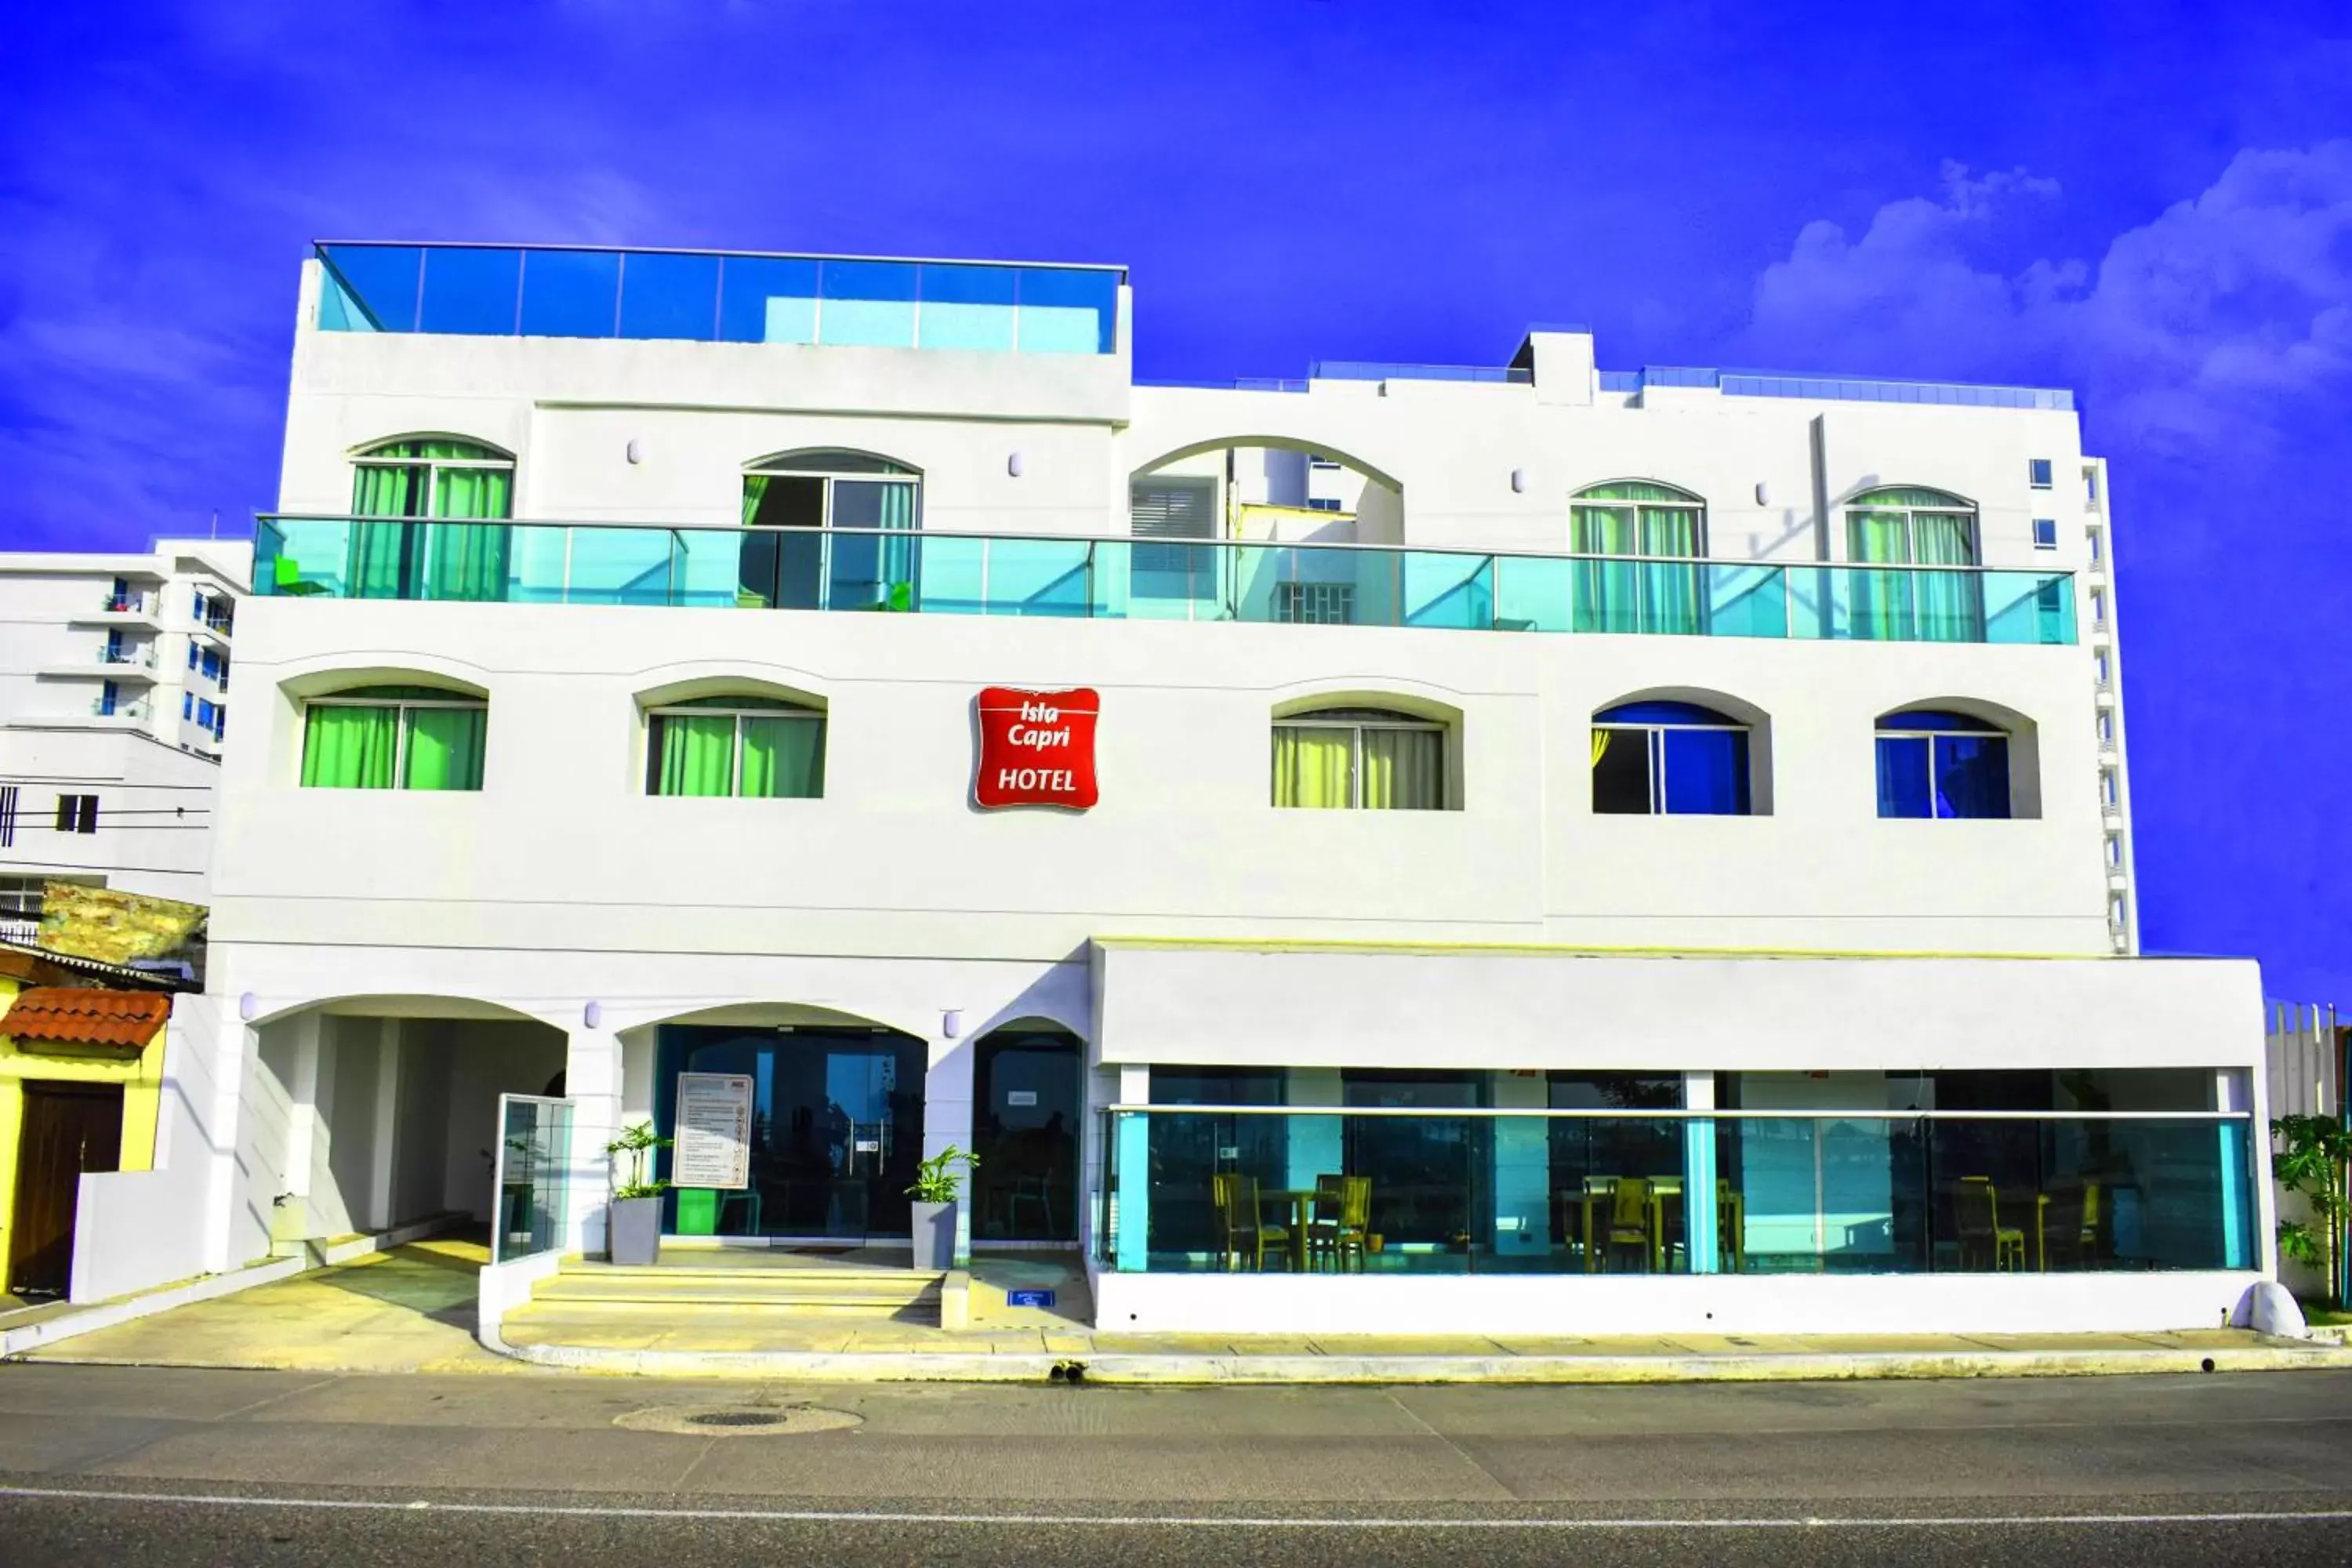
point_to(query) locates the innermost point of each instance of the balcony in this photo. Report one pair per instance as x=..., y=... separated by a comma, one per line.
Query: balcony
x=543, y=291
x=121, y=610
x=936, y=571
x=123, y=664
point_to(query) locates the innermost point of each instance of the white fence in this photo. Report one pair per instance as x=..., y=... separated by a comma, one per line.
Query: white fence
x=2304, y=1049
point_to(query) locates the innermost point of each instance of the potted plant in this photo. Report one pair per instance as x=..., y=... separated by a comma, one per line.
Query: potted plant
x=934, y=1193
x=633, y=1226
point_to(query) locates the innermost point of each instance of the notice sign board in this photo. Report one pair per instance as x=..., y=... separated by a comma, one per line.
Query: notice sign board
x=1037, y=748
x=714, y=1131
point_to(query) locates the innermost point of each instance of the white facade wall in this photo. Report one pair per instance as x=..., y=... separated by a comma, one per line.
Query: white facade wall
x=1810, y=931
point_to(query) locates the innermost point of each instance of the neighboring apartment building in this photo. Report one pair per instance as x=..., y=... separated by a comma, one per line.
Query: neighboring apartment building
x=1655, y=854
x=114, y=673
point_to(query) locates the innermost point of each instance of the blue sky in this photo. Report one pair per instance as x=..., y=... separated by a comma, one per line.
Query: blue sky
x=2149, y=202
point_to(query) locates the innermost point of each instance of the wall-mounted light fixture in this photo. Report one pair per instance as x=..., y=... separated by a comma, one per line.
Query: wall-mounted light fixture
x=1012, y=464
x=636, y=453
x=247, y=1005
x=952, y=1024
x=1518, y=482
x=1763, y=493
x=593, y=1015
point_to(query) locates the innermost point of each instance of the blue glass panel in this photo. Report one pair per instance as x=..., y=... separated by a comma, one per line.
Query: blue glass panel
x=1971, y=775
x=569, y=293
x=471, y=291
x=1068, y=311
x=1746, y=602
x=1903, y=789
x=1931, y=719
x=536, y=562
x=1531, y=594
x=380, y=280
x=1446, y=591
x=967, y=307
x=767, y=299
x=952, y=575
x=1661, y=714
x=1707, y=771
x=669, y=295
x=868, y=304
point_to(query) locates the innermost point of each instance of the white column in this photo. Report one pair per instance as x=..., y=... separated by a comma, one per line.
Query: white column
x=947, y=1119
x=302, y=1114
x=592, y=1082
x=385, y=1154
x=1313, y=1141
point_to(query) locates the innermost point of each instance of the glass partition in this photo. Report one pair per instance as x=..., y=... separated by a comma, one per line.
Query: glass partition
x=940, y=572
x=1246, y=1189
x=564, y=292
x=534, y=1162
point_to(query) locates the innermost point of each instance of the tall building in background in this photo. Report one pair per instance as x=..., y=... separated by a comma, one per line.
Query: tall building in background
x=114, y=674
x=1523, y=847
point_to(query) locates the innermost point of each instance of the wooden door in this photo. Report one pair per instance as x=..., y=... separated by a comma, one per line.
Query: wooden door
x=67, y=1127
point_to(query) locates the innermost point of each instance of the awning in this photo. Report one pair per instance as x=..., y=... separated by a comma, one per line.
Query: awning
x=85, y=1015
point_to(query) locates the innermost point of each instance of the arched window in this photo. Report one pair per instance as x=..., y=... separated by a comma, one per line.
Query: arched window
x=1936, y=763
x=1905, y=526
x=1636, y=518
x=1669, y=758
x=395, y=737
x=758, y=747
x=1366, y=759
x=429, y=477
x=876, y=504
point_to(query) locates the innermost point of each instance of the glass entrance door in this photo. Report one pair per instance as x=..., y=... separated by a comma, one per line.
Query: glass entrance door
x=837, y=1130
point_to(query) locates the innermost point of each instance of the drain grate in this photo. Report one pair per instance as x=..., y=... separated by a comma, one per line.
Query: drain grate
x=737, y=1420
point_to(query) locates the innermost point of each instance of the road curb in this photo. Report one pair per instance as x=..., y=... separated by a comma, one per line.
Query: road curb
x=946, y=1366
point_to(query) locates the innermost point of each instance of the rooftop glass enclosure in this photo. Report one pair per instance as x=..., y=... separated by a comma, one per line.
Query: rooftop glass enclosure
x=1246, y=1188
x=934, y=571
x=706, y=296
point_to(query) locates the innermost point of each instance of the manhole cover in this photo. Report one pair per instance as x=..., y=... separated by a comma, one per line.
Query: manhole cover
x=737, y=1421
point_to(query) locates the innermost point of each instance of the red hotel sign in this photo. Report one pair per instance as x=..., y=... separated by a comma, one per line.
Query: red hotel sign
x=1037, y=748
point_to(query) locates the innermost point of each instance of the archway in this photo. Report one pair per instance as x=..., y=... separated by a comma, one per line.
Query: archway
x=1028, y=1101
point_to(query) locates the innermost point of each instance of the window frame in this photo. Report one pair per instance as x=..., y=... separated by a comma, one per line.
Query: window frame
x=373, y=457
x=77, y=814
x=784, y=709
x=2045, y=534
x=1961, y=507
x=2041, y=473
x=1356, y=721
x=1682, y=500
x=1891, y=728
x=1654, y=731
x=400, y=733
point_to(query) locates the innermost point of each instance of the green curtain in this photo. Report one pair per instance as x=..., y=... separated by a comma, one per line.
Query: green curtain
x=1879, y=603
x=1608, y=592
x=349, y=747
x=469, y=563
x=1404, y=770
x=1674, y=597
x=1311, y=766
x=698, y=754
x=372, y=566
x=755, y=489
x=1950, y=603
x=445, y=747
x=899, y=553
x=783, y=758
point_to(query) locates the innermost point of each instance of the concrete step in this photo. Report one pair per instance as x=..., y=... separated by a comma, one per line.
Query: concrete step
x=704, y=1310
x=757, y=1292
x=759, y=1275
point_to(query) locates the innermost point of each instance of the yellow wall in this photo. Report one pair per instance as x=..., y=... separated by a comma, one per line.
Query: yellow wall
x=141, y=1077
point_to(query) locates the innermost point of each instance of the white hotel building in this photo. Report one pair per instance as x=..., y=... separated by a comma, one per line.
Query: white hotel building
x=1575, y=850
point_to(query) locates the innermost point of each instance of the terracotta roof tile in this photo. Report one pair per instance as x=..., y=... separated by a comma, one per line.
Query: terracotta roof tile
x=85, y=1015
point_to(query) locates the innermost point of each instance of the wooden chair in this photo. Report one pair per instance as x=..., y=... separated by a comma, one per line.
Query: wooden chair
x=1731, y=1225
x=1985, y=1242
x=1342, y=1220
x=2073, y=1232
x=1242, y=1230
x=1629, y=1218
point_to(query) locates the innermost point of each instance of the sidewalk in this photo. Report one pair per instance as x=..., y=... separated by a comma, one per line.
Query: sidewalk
x=411, y=1310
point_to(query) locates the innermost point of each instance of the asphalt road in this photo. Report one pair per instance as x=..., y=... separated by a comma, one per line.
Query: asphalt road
x=133, y=1466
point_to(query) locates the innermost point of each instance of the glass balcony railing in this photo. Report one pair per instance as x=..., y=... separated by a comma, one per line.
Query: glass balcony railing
x=706, y=297
x=936, y=571
x=1245, y=1189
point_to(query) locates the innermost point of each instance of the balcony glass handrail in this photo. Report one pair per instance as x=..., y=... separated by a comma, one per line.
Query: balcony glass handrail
x=717, y=297
x=953, y=571
x=1356, y=1191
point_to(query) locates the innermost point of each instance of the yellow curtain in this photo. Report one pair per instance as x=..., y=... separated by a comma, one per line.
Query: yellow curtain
x=1311, y=766
x=1404, y=770
x=1600, y=746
